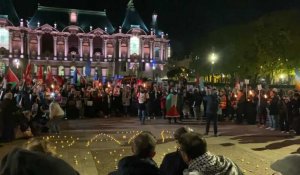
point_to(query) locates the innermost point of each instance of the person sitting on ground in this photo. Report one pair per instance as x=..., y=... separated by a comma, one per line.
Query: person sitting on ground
x=193, y=148
x=38, y=159
x=173, y=164
x=141, y=162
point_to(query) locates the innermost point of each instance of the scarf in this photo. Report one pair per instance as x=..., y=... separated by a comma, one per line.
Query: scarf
x=210, y=164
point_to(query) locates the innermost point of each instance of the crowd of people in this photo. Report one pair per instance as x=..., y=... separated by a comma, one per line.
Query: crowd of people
x=40, y=108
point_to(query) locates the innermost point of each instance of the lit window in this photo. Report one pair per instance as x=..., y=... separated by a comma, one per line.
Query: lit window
x=134, y=45
x=73, y=17
x=169, y=51
x=4, y=38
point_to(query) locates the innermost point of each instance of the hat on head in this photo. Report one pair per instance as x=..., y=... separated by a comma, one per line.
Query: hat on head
x=275, y=90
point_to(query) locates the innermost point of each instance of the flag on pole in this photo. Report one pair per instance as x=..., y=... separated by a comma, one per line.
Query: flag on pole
x=74, y=80
x=11, y=77
x=49, y=77
x=27, y=74
x=58, y=79
x=40, y=73
x=88, y=68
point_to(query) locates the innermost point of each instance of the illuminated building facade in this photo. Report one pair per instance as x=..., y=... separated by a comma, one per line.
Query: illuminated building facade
x=70, y=39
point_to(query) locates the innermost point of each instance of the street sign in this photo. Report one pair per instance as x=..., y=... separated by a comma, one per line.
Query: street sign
x=259, y=87
x=246, y=81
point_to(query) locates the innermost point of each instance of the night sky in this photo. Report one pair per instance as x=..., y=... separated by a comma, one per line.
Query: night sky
x=186, y=21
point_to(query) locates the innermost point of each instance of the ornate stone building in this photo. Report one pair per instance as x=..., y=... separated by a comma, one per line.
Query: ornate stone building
x=68, y=39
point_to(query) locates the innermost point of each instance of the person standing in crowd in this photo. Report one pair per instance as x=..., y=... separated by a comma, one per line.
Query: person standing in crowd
x=141, y=162
x=212, y=105
x=262, y=110
x=203, y=92
x=142, y=96
x=197, y=100
x=223, y=104
x=193, y=148
x=163, y=100
x=274, y=112
x=171, y=108
x=8, y=116
x=283, y=114
x=55, y=114
x=241, y=104
x=296, y=113
x=126, y=97
x=172, y=163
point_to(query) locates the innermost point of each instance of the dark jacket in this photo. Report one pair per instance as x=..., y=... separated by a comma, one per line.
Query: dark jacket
x=274, y=106
x=173, y=164
x=212, y=104
x=134, y=165
x=23, y=162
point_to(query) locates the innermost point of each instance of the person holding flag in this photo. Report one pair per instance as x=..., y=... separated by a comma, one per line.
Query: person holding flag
x=27, y=74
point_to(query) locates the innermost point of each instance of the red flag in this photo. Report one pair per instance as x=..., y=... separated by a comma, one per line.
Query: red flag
x=59, y=80
x=11, y=76
x=27, y=74
x=40, y=73
x=49, y=77
x=197, y=80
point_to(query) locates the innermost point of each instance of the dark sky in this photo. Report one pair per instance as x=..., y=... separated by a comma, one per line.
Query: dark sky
x=186, y=21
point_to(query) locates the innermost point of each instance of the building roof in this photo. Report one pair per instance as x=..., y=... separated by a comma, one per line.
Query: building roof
x=133, y=19
x=61, y=16
x=7, y=8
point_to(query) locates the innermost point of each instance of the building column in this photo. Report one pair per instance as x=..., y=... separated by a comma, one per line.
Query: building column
x=161, y=51
x=151, y=49
x=39, y=47
x=80, y=48
x=22, y=45
x=55, y=47
x=91, y=49
x=105, y=48
x=120, y=52
x=142, y=48
x=166, y=52
x=66, y=48
x=28, y=46
x=115, y=50
x=10, y=44
x=128, y=49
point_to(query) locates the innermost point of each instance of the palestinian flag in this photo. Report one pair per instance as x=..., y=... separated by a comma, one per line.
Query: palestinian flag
x=11, y=77
x=171, y=106
x=27, y=74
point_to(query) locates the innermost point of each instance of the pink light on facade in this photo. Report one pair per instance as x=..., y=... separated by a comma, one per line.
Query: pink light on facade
x=73, y=17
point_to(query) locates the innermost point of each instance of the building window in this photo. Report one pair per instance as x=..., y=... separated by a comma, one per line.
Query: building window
x=61, y=71
x=134, y=45
x=73, y=17
x=169, y=51
x=4, y=38
x=156, y=52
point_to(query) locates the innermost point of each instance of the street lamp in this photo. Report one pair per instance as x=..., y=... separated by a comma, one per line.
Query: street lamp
x=212, y=58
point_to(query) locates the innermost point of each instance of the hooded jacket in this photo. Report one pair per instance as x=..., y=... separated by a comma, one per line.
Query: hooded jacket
x=23, y=162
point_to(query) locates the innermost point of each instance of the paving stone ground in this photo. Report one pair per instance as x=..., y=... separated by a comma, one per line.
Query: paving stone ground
x=94, y=146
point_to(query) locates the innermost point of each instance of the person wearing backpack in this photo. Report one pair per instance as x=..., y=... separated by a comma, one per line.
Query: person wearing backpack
x=212, y=105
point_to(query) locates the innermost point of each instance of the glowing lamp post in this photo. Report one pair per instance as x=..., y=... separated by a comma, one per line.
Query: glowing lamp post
x=212, y=58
